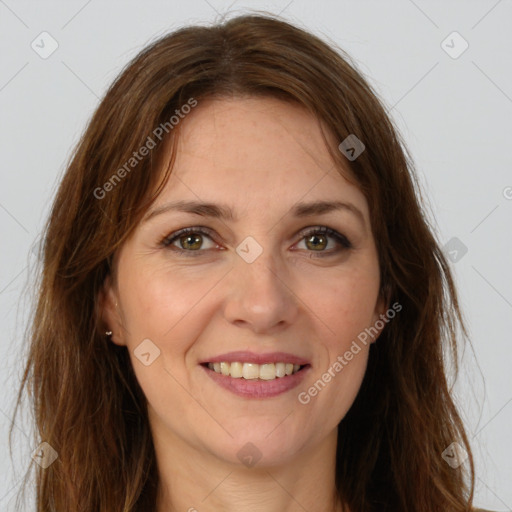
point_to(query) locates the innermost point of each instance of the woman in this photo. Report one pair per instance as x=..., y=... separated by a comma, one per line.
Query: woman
x=242, y=304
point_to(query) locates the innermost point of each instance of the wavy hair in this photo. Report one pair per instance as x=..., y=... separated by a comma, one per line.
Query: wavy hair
x=86, y=401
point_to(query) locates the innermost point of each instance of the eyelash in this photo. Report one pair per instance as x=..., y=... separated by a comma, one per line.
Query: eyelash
x=342, y=240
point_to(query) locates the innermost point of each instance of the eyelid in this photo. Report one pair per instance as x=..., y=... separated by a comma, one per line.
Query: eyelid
x=169, y=239
x=340, y=238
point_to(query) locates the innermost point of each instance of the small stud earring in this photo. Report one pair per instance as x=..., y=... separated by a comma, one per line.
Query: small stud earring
x=108, y=333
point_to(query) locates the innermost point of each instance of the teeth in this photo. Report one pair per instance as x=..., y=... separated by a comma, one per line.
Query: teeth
x=224, y=368
x=252, y=371
x=235, y=370
x=267, y=371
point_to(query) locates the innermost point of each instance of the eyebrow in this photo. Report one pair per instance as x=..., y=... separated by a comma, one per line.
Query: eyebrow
x=224, y=212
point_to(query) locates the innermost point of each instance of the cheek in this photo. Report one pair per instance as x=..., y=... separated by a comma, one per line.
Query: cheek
x=165, y=307
x=344, y=304
x=159, y=302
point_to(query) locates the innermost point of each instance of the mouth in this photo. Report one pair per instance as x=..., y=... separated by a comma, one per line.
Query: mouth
x=256, y=375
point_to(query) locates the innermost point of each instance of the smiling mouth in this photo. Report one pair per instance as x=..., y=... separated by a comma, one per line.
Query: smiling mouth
x=253, y=371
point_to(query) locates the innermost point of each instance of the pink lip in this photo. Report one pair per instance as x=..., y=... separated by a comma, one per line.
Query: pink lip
x=251, y=357
x=257, y=388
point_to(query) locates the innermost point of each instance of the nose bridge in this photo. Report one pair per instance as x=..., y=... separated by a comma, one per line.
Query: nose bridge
x=259, y=296
x=262, y=275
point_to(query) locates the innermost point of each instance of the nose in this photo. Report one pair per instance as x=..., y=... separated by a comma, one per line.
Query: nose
x=260, y=296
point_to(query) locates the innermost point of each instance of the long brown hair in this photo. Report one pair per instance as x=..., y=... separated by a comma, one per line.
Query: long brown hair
x=87, y=403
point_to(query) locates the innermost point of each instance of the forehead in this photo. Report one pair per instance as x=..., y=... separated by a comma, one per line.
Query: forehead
x=254, y=152
x=233, y=130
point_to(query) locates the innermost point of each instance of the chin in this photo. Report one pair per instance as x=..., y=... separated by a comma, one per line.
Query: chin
x=259, y=446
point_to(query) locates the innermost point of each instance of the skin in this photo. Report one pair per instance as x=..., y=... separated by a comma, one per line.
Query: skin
x=259, y=156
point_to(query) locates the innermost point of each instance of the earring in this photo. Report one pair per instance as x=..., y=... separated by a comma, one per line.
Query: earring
x=108, y=333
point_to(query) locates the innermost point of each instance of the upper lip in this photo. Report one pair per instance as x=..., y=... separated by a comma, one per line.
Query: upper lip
x=251, y=357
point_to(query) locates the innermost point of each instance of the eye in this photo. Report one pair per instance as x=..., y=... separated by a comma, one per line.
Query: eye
x=320, y=239
x=189, y=240
x=325, y=241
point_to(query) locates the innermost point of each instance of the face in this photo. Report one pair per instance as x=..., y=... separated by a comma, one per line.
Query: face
x=277, y=272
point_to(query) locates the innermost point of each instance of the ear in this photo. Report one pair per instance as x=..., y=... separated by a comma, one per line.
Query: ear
x=380, y=318
x=110, y=312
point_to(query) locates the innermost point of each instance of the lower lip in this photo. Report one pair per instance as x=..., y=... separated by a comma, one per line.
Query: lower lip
x=256, y=388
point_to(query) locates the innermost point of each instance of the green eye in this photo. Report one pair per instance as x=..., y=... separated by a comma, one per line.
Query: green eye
x=316, y=242
x=189, y=240
x=321, y=240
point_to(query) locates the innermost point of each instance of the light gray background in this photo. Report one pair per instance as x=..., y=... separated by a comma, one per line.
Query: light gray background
x=453, y=113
